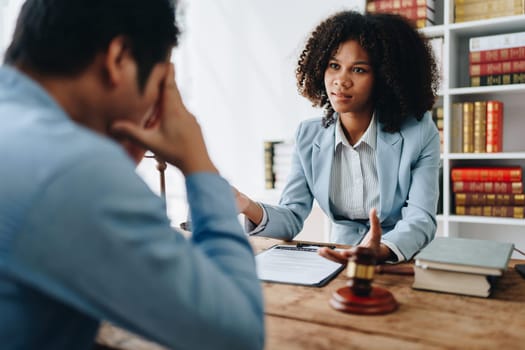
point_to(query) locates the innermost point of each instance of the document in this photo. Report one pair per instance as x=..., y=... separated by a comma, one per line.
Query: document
x=295, y=265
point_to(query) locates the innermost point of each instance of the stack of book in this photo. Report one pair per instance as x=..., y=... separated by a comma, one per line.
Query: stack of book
x=484, y=191
x=461, y=266
x=421, y=12
x=497, y=59
x=477, y=127
x=470, y=10
x=277, y=163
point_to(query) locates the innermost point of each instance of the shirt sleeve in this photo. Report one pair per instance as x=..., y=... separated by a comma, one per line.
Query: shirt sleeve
x=253, y=229
x=99, y=240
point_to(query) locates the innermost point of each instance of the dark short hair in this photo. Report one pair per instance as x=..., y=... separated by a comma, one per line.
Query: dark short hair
x=62, y=37
x=405, y=73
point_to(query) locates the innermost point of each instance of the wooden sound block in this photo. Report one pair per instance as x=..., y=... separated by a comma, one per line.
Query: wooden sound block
x=380, y=301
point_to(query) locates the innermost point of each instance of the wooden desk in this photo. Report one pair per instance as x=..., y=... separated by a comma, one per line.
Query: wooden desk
x=300, y=318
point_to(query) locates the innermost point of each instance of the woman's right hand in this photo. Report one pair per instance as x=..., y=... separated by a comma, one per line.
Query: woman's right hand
x=242, y=200
x=245, y=205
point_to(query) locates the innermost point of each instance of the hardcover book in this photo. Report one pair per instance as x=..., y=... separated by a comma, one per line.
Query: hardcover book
x=487, y=186
x=497, y=55
x=504, y=174
x=503, y=67
x=462, y=266
x=494, y=132
x=498, y=79
x=505, y=211
x=473, y=199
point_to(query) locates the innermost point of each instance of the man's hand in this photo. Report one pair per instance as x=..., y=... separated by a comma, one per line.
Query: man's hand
x=172, y=133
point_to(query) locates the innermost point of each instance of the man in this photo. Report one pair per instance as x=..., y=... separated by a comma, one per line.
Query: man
x=82, y=238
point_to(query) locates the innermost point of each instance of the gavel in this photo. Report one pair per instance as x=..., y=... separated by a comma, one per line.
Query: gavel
x=360, y=296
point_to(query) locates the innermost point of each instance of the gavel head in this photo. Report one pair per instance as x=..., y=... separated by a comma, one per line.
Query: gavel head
x=360, y=270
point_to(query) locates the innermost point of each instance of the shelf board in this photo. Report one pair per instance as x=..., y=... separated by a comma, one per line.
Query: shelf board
x=433, y=31
x=502, y=155
x=486, y=220
x=496, y=89
x=498, y=24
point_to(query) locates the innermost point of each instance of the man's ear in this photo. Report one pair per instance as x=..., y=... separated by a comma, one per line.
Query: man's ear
x=117, y=60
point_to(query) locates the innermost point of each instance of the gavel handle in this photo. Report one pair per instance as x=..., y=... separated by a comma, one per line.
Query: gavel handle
x=401, y=269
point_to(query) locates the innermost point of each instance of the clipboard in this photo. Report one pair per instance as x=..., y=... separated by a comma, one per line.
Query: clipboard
x=296, y=264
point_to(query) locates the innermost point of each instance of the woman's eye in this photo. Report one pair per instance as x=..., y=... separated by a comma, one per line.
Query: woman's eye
x=359, y=70
x=333, y=65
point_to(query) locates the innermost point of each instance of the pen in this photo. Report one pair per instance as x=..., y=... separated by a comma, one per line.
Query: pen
x=302, y=245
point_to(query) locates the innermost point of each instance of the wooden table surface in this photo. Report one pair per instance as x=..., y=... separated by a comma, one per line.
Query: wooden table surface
x=300, y=317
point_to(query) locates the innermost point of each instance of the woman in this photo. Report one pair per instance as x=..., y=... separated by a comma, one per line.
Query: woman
x=372, y=160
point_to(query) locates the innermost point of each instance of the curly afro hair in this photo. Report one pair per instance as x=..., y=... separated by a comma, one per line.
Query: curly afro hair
x=406, y=77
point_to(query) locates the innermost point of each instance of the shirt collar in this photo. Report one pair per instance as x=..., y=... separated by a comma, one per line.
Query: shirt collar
x=369, y=137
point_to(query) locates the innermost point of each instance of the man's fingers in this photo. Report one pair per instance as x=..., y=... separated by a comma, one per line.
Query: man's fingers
x=130, y=130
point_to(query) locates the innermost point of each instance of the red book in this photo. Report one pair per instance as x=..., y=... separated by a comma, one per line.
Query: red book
x=502, y=67
x=497, y=55
x=494, y=132
x=501, y=174
x=517, y=212
x=470, y=199
x=487, y=187
x=389, y=5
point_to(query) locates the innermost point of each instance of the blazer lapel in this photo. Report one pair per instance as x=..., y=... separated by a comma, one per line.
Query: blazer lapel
x=388, y=154
x=322, y=158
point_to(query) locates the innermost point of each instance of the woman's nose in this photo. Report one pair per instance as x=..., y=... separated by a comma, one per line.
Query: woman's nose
x=343, y=82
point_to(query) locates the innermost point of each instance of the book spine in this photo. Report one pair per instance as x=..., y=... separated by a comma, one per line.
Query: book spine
x=419, y=12
x=488, y=15
x=389, y=5
x=494, y=130
x=456, y=137
x=461, y=2
x=471, y=199
x=422, y=23
x=497, y=55
x=503, y=67
x=269, y=176
x=487, y=187
x=468, y=127
x=480, y=124
x=489, y=210
x=498, y=79
x=500, y=174
x=490, y=6
x=500, y=41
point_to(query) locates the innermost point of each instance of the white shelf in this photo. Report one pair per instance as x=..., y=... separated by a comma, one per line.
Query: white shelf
x=484, y=156
x=486, y=220
x=481, y=90
x=456, y=89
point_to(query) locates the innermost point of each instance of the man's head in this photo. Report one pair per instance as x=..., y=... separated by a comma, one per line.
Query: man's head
x=63, y=37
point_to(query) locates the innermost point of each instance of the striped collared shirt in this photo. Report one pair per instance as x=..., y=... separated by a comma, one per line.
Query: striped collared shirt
x=354, y=185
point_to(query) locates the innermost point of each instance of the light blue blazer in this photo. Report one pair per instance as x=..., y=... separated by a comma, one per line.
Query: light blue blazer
x=408, y=172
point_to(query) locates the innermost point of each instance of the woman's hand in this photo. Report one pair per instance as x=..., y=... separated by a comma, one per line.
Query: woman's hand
x=371, y=240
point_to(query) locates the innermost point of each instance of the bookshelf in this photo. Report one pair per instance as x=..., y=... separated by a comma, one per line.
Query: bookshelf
x=456, y=89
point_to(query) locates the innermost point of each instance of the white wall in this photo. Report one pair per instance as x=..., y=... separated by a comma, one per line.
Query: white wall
x=237, y=76
x=235, y=68
x=9, y=10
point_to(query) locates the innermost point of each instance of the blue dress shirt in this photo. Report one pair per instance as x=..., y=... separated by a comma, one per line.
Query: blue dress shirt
x=82, y=239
